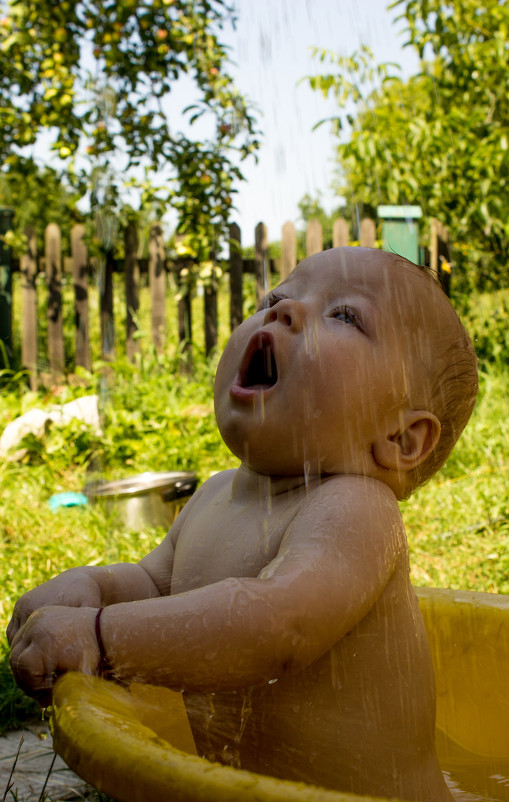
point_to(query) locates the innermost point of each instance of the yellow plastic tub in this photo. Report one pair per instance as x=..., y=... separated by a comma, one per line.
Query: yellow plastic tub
x=136, y=745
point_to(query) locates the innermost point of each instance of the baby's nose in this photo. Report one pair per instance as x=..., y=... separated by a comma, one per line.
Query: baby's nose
x=287, y=311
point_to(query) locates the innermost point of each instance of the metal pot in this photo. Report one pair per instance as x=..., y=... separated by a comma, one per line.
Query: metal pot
x=147, y=499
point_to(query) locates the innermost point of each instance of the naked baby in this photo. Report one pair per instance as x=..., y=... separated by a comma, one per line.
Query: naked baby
x=280, y=601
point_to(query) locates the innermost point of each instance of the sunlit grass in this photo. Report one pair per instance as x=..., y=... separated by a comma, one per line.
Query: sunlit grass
x=156, y=417
x=458, y=524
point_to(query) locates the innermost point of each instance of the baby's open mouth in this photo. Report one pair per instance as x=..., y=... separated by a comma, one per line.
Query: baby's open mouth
x=258, y=369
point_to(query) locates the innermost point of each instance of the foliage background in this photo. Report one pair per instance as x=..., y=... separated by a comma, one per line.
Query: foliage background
x=439, y=140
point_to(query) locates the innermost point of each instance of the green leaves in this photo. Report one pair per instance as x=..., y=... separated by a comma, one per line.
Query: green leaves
x=439, y=140
x=135, y=52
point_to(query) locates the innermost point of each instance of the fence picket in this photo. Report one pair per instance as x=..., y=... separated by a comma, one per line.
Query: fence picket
x=314, y=239
x=80, y=275
x=183, y=270
x=262, y=264
x=210, y=313
x=340, y=234
x=157, y=281
x=132, y=280
x=28, y=268
x=53, y=257
x=235, y=277
x=289, y=249
x=367, y=235
x=105, y=280
x=440, y=254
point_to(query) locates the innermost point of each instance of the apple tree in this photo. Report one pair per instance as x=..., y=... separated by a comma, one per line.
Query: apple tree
x=96, y=79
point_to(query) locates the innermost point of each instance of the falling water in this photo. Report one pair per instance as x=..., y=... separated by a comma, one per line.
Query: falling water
x=271, y=27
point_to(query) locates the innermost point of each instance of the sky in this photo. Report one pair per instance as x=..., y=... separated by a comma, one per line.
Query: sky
x=271, y=51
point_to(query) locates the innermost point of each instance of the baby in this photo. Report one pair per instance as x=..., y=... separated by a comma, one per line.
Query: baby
x=280, y=600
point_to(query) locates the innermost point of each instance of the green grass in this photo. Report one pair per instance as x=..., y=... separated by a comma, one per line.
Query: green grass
x=458, y=524
x=156, y=417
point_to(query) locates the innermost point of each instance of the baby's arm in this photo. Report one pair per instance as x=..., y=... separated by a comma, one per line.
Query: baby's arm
x=85, y=586
x=333, y=564
x=100, y=586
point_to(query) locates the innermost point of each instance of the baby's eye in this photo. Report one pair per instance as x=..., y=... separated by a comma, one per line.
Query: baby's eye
x=346, y=315
x=269, y=300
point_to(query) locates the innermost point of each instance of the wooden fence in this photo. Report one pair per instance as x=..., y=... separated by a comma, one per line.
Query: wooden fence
x=158, y=266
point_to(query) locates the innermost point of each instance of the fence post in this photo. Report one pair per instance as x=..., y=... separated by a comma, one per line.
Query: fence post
x=105, y=281
x=185, y=320
x=132, y=277
x=367, y=234
x=28, y=266
x=53, y=257
x=289, y=249
x=157, y=281
x=439, y=254
x=80, y=273
x=235, y=277
x=6, y=219
x=210, y=309
x=262, y=264
x=314, y=240
x=340, y=234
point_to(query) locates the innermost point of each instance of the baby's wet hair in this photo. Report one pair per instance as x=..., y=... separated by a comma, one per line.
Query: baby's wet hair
x=454, y=385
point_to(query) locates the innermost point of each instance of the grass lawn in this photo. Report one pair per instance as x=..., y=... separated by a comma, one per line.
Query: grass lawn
x=155, y=418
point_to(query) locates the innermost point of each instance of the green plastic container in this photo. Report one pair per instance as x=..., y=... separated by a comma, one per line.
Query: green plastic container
x=400, y=230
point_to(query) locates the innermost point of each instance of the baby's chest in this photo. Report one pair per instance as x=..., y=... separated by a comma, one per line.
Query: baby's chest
x=227, y=541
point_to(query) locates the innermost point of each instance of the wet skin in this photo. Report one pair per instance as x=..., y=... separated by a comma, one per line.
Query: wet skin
x=353, y=705
x=341, y=336
x=295, y=567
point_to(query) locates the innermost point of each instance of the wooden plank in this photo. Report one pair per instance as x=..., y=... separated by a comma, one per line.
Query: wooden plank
x=132, y=280
x=105, y=282
x=314, y=239
x=210, y=313
x=80, y=276
x=444, y=259
x=340, y=233
x=433, y=246
x=262, y=265
x=185, y=318
x=288, y=249
x=53, y=257
x=157, y=281
x=236, y=314
x=28, y=268
x=367, y=234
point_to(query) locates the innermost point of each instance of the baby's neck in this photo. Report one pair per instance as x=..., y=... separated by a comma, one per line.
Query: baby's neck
x=248, y=483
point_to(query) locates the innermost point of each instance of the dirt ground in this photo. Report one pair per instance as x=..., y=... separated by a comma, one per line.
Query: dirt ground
x=32, y=766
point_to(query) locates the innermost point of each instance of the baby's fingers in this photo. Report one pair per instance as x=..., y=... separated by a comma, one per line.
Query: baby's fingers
x=21, y=614
x=12, y=628
x=32, y=672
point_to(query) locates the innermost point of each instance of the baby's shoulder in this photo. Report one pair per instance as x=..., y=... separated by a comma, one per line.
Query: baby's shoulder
x=218, y=484
x=354, y=488
x=356, y=500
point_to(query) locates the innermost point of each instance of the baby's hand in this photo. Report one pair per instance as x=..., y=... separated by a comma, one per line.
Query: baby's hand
x=74, y=588
x=54, y=640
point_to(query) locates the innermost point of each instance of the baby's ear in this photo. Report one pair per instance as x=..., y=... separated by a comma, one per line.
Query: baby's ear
x=416, y=437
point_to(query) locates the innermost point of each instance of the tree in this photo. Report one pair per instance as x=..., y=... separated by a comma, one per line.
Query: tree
x=39, y=196
x=440, y=139
x=97, y=75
